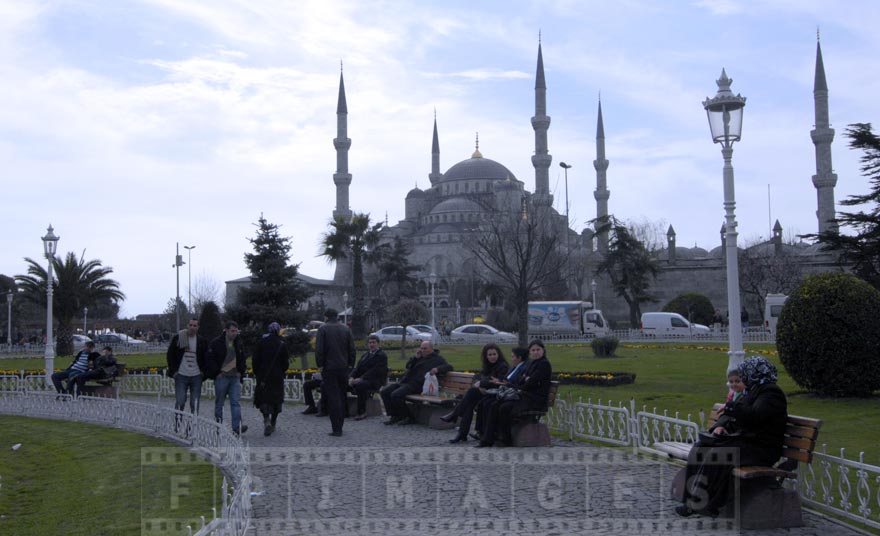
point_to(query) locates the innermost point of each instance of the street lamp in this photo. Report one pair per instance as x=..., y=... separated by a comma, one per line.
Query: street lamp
x=85, y=320
x=345, y=307
x=566, y=167
x=725, y=112
x=189, y=279
x=593, y=286
x=9, y=319
x=432, y=279
x=178, y=262
x=50, y=246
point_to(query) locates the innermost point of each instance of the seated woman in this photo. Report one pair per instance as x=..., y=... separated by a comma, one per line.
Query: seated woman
x=519, y=357
x=494, y=367
x=760, y=416
x=532, y=395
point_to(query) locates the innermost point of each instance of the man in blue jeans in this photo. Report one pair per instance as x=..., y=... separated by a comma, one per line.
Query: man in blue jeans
x=186, y=364
x=79, y=366
x=226, y=364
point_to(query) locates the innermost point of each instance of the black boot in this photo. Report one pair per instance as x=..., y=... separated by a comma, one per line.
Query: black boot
x=267, y=425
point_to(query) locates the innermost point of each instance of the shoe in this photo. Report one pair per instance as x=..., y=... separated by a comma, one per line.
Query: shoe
x=684, y=511
x=449, y=417
x=336, y=434
x=310, y=410
x=393, y=420
x=458, y=439
x=476, y=435
x=361, y=417
x=482, y=445
x=267, y=430
x=407, y=421
x=244, y=428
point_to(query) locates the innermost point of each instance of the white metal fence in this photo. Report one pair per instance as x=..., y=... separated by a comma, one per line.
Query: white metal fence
x=836, y=485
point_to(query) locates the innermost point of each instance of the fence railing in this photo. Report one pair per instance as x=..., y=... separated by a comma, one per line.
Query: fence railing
x=831, y=484
x=206, y=437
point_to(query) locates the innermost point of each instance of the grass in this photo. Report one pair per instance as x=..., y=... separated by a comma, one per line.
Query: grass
x=681, y=377
x=73, y=478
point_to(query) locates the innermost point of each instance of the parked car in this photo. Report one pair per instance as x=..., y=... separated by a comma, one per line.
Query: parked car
x=481, y=333
x=395, y=333
x=671, y=325
x=424, y=328
x=79, y=342
x=116, y=338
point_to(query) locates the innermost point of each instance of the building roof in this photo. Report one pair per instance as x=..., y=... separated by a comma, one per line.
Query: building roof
x=477, y=168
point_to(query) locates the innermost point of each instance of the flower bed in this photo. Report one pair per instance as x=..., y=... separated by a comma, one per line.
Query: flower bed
x=608, y=379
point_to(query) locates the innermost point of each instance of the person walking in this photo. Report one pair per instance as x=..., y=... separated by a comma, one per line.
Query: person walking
x=226, y=364
x=334, y=353
x=186, y=364
x=270, y=361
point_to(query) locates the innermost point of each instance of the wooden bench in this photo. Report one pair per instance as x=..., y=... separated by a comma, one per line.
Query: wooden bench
x=763, y=502
x=105, y=387
x=427, y=409
x=528, y=430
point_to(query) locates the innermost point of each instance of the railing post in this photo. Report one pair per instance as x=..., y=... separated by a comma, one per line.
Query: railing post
x=633, y=426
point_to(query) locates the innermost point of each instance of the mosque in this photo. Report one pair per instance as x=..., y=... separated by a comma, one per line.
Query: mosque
x=440, y=220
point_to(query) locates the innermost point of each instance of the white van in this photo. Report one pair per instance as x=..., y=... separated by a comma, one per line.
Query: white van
x=773, y=304
x=671, y=325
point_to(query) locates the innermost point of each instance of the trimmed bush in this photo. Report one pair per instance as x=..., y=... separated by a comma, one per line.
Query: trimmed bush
x=828, y=335
x=695, y=307
x=604, y=346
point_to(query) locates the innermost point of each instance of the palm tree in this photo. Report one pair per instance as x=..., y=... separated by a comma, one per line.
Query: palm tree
x=359, y=239
x=77, y=283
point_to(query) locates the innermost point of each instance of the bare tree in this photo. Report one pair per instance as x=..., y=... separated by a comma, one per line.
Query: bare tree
x=205, y=289
x=763, y=270
x=407, y=312
x=522, y=254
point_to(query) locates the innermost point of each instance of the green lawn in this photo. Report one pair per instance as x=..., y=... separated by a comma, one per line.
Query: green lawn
x=684, y=378
x=72, y=478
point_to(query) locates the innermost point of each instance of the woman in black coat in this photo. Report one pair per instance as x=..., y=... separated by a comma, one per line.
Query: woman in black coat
x=494, y=367
x=759, y=416
x=533, y=392
x=271, y=361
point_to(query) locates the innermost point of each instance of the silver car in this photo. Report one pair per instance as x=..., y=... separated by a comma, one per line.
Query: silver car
x=395, y=334
x=482, y=334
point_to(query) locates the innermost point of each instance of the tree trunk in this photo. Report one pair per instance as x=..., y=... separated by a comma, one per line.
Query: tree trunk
x=522, y=319
x=64, y=339
x=358, y=328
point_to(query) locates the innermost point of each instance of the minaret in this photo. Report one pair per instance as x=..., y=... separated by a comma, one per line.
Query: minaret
x=435, y=174
x=540, y=123
x=342, y=178
x=825, y=179
x=601, y=193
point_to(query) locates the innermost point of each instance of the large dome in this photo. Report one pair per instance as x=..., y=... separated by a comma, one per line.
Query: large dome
x=477, y=168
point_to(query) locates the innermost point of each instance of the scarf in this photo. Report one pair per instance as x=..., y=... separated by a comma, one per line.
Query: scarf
x=757, y=370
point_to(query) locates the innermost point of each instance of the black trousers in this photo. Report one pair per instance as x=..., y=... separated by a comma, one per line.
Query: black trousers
x=499, y=419
x=394, y=398
x=465, y=410
x=709, y=471
x=335, y=385
x=363, y=391
x=308, y=387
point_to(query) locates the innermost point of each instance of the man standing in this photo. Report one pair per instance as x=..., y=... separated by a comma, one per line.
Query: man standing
x=271, y=360
x=334, y=353
x=394, y=396
x=369, y=375
x=186, y=364
x=79, y=366
x=226, y=364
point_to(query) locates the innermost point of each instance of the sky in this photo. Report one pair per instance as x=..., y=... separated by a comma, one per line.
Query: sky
x=133, y=126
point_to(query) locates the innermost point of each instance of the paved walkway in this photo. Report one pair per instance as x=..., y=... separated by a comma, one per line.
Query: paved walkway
x=390, y=480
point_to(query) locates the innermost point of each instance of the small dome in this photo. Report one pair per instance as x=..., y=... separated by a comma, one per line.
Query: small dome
x=415, y=192
x=455, y=204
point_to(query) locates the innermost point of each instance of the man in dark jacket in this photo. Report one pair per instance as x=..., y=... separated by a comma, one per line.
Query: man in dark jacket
x=271, y=361
x=226, y=364
x=369, y=375
x=334, y=353
x=186, y=364
x=394, y=396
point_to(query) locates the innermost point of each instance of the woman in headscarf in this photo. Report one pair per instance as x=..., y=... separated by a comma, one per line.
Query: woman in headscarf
x=271, y=361
x=760, y=416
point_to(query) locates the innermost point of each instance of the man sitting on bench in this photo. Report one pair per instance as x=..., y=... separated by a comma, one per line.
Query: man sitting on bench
x=369, y=375
x=101, y=368
x=394, y=396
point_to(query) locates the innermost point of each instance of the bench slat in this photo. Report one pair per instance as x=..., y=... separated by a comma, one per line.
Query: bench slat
x=747, y=473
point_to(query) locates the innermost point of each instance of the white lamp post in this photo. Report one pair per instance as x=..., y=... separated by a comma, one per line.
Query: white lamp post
x=85, y=320
x=725, y=111
x=432, y=279
x=593, y=286
x=189, y=279
x=50, y=245
x=9, y=319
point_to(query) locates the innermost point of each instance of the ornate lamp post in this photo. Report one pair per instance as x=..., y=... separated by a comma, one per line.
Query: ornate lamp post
x=9, y=319
x=189, y=279
x=432, y=279
x=725, y=111
x=50, y=246
x=593, y=287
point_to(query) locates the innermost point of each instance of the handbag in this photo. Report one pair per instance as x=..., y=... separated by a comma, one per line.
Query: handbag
x=708, y=439
x=506, y=393
x=431, y=386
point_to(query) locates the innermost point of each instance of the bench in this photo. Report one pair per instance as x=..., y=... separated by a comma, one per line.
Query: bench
x=105, y=387
x=763, y=503
x=427, y=409
x=528, y=430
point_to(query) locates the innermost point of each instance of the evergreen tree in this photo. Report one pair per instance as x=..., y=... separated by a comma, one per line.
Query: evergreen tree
x=274, y=293
x=210, y=323
x=862, y=249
